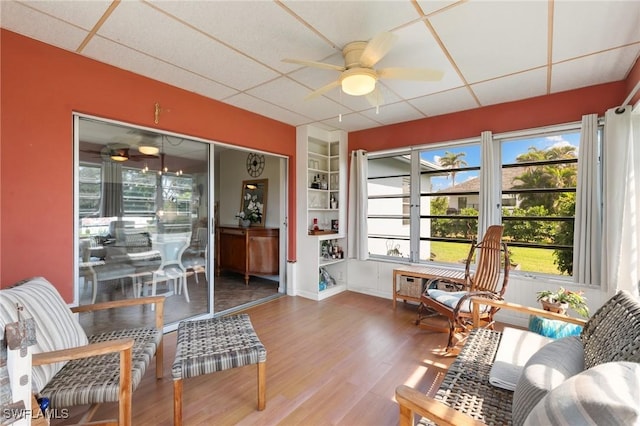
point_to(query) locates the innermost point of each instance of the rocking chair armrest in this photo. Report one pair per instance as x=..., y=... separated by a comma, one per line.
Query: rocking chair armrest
x=86, y=351
x=475, y=296
x=501, y=304
x=158, y=300
x=412, y=401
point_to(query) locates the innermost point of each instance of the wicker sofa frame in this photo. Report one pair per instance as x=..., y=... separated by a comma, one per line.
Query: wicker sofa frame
x=465, y=396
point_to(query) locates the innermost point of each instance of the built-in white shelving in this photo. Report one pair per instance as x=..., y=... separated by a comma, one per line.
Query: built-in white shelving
x=321, y=212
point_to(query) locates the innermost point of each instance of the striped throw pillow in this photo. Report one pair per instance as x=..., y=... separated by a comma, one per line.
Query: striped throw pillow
x=56, y=327
x=608, y=394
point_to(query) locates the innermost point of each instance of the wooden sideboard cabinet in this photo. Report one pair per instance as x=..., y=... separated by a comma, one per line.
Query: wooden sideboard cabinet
x=249, y=251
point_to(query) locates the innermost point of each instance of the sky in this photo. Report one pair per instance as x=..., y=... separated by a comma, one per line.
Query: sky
x=510, y=150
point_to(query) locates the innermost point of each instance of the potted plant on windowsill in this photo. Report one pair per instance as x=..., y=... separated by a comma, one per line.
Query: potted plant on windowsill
x=561, y=300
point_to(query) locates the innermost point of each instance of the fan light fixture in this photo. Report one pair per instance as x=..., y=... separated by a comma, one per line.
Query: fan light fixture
x=149, y=149
x=119, y=154
x=358, y=81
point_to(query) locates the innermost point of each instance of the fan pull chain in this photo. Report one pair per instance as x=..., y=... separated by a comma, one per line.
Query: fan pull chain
x=340, y=107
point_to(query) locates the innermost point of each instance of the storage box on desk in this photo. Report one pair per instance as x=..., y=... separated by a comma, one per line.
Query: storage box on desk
x=411, y=286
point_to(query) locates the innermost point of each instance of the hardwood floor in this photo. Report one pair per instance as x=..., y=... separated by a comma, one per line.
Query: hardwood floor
x=333, y=362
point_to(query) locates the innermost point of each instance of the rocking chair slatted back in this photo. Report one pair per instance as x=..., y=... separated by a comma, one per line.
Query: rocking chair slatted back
x=492, y=254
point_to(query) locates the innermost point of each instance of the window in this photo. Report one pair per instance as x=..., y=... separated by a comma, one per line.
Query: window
x=89, y=189
x=449, y=186
x=144, y=195
x=434, y=215
x=447, y=196
x=389, y=189
x=539, y=177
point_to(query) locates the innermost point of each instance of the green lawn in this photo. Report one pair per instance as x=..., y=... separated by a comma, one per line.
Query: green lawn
x=528, y=259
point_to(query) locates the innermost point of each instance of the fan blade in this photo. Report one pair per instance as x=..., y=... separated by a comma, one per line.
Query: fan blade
x=423, y=74
x=376, y=49
x=314, y=64
x=375, y=98
x=322, y=90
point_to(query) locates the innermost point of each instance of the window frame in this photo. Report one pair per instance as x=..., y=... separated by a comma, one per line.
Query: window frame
x=496, y=168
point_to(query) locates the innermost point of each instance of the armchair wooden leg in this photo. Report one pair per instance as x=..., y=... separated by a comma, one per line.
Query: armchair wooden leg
x=177, y=402
x=126, y=390
x=406, y=416
x=262, y=388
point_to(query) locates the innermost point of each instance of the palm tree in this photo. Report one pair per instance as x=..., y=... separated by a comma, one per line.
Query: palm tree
x=452, y=160
x=546, y=176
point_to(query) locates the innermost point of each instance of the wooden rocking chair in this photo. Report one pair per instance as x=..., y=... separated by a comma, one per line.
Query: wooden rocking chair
x=453, y=300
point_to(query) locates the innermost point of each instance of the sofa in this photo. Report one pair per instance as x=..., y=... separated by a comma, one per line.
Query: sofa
x=593, y=378
x=71, y=368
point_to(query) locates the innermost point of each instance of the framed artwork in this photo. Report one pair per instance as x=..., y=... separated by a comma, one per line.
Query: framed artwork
x=253, y=201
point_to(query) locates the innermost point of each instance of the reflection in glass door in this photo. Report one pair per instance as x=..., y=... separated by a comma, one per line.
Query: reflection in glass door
x=142, y=220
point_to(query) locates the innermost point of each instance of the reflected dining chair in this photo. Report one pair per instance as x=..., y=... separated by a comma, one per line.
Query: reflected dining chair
x=170, y=247
x=451, y=299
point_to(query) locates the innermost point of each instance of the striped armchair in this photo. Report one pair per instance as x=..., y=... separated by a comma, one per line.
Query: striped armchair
x=71, y=368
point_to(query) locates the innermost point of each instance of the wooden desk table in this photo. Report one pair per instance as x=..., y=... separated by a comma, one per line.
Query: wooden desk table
x=420, y=272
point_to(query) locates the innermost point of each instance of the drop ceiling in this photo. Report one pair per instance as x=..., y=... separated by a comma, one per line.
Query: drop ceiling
x=231, y=51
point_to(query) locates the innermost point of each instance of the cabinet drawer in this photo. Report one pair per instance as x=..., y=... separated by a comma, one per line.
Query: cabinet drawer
x=233, y=231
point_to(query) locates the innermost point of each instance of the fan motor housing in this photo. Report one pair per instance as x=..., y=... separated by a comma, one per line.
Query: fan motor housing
x=352, y=53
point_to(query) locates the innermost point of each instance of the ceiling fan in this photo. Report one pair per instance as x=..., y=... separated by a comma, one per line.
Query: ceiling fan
x=358, y=77
x=118, y=152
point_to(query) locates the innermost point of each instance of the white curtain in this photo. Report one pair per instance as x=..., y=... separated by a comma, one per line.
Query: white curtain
x=588, y=218
x=490, y=189
x=358, y=247
x=621, y=201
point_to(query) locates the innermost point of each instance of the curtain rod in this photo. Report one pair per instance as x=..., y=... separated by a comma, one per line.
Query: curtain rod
x=621, y=108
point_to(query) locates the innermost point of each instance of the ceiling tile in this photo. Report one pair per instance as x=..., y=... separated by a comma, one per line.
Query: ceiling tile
x=445, y=102
x=416, y=48
x=272, y=33
x=394, y=113
x=135, y=61
x=68, y=11
x=32, y=23
x=143, y=28
x=266, y=109
x=433, y=6
x=585, y=27
x=290, y=95
x=350, y=122
x=608, y=66
x=492, y=39
x=512, y=88
x=345, y=21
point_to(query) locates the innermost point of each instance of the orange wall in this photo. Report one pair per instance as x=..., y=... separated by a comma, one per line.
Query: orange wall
x=564, y=107
x=40, y=88
x=42, y=85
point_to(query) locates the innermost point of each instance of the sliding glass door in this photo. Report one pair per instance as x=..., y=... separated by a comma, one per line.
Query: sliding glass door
x=143, y=216
x=157, y=214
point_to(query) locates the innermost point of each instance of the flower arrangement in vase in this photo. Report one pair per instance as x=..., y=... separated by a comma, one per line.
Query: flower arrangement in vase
x=561, y=300
x=252, y=212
